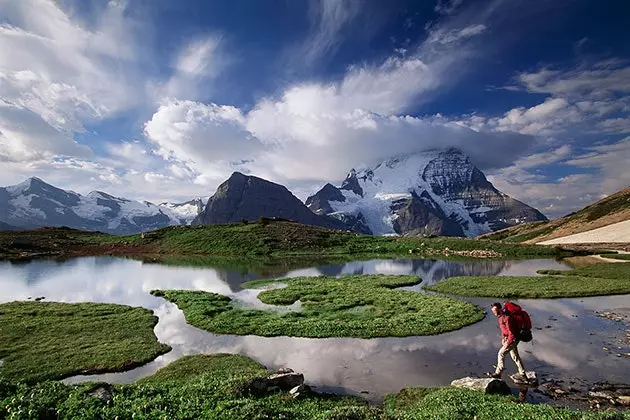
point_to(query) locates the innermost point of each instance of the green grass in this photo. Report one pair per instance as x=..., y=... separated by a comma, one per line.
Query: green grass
x=455, y=404
x=362, y=306
x=591, y=280
x=49, y=340
x=219, y=387
x=625, y=257
x=221, y=366
x=283, y=239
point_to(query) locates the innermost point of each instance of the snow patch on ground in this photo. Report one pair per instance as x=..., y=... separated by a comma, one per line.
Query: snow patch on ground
x=617, y=232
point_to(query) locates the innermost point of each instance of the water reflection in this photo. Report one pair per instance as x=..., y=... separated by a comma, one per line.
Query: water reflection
x=378, y=366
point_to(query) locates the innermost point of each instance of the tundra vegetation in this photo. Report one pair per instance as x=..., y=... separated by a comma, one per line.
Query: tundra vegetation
x=46, y=340
x=362, y=306
x=591, y=280
x=221, y=387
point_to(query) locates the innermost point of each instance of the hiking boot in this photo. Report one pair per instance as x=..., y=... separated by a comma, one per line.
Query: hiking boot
x=493, y=375
x=521, y=377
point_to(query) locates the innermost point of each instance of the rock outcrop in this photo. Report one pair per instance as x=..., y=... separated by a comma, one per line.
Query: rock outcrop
x=487, y=385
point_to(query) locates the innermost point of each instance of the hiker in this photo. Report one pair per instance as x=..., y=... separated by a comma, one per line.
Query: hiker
x=509, y=341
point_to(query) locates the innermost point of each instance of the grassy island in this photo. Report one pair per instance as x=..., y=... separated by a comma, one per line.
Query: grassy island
x=362, y=306
x=50, y=340
x=592, y=280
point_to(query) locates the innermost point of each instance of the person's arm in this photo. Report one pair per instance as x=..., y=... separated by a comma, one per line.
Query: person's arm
x=511, y=337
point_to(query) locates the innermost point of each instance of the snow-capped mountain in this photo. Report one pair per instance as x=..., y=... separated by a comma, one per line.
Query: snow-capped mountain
x=434, y=192
x=186, y=212
x=34, y=203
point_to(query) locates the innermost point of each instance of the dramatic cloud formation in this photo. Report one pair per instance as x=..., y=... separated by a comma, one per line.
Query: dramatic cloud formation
x=118, y=97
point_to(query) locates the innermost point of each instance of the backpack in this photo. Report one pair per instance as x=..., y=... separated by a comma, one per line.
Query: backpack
x=522, y=321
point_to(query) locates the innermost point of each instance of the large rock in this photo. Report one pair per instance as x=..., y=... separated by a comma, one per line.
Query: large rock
x=487, y=385
x=283, y=381
x=244, y=197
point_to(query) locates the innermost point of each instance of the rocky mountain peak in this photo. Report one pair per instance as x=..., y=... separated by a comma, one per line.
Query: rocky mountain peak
x=247, y=197
x=434, y=192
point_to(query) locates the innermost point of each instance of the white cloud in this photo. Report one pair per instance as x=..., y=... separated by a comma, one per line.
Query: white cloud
x=615, y=125
x=598, y=80
x=200, y=133
x=328, y=19
x=198, y=63
x=607, y=172
x=442, y=36
x=447, y=7
x=196, y=59
x=25, y=136
x=58, y=73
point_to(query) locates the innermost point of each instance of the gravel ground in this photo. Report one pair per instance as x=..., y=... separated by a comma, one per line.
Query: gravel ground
x=617, y=232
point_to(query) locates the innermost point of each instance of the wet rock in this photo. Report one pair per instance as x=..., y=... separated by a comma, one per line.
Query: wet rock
x=103, y=392
x=529, y=380
x=285, y=370
x=602, y=394
x=285, y=381
x=300, y=391
x=487, y=385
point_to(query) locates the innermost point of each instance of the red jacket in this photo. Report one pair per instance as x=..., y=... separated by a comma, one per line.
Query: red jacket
x=506, y=323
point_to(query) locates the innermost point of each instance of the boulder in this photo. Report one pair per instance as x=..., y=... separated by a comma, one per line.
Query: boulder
x=530, y=380
x=285, y=381
x=103, y=392
x=487, y=385
x=300, y=391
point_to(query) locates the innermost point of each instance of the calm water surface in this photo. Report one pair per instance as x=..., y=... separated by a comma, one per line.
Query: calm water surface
x=569, y=344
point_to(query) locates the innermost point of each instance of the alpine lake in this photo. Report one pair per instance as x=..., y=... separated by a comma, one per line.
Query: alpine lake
x=571, y=339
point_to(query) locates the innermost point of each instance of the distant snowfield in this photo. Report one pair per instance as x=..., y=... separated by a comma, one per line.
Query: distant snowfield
x=617, y=232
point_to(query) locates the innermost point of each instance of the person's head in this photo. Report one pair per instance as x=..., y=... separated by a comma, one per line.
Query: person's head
x=497, y=309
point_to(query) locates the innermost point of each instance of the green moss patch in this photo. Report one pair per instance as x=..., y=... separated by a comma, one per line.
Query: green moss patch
x=592, y=280
x=221, y=365
x=49, y=340
x=362, y=306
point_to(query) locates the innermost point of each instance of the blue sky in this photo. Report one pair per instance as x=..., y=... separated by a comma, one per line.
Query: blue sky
x=162, y=100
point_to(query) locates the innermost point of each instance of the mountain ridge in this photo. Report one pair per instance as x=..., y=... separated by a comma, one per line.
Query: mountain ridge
x=607, y=211
x=34, y=203
x=437, y=192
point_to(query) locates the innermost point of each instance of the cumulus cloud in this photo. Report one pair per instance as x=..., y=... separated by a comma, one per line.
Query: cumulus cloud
x=55, y=75
x=197, y=132
x=318, y=131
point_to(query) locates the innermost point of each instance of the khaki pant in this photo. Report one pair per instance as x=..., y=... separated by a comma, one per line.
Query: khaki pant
x=513, y=349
